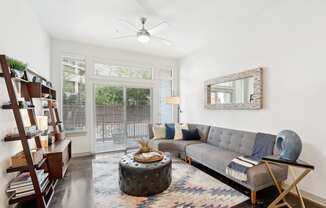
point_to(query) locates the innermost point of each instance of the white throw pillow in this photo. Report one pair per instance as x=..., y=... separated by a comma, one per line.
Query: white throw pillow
x=178, y=130
x=159, y=131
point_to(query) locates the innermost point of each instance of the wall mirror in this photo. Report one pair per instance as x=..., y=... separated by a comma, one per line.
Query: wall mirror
x=240, y=91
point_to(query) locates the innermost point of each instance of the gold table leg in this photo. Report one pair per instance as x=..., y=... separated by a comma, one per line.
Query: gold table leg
x=279, y=188
x=297, y=188
x=286, y=191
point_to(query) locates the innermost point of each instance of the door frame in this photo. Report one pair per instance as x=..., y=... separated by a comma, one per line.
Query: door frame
x=124, y=85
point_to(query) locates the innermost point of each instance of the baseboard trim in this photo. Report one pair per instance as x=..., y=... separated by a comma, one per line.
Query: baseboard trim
x=320, y=202
x=82, y=154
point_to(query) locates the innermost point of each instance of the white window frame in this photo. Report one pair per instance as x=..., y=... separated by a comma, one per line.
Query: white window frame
x=73, y=56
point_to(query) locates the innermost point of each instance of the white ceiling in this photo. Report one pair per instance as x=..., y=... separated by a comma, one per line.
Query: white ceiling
x=192, y=23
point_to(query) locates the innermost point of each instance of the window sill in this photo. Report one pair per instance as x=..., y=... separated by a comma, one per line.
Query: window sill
x=76, y=133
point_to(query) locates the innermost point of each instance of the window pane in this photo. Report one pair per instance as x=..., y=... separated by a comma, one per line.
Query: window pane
x=165, y=109
x=74, y=94
x=122, y=71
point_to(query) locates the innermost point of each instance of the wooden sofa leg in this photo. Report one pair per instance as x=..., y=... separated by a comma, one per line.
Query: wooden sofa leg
x=189, y=160
x=253, y=197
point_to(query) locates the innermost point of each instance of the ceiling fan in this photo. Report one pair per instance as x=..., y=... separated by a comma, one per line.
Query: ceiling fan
x=145, y=35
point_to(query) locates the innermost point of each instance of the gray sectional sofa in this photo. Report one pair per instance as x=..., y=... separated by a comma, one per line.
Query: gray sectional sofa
x=215, y=150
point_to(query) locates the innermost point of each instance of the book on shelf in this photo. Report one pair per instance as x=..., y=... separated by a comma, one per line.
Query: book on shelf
x=31, y=192
x=23, y=182
x=25, y=177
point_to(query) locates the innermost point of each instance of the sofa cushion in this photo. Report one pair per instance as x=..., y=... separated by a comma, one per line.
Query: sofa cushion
x=259, y=176
x=203, y=130
x=159, y=131
x=211, y=156
x=166, y=145
x=234, y=140
x=150, y=130
x=191, y=134
x=170, y=130
x=178, y=130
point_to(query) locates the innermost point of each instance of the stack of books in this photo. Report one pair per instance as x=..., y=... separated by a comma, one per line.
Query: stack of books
x=22, y=185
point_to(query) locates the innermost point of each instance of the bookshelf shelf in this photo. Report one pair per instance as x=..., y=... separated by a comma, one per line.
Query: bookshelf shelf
x=15, y=78
x=16, y=137
x=10, y=107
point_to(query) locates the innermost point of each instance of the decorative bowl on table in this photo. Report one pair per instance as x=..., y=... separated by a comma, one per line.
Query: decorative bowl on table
x=145, y=154
x=149, y=157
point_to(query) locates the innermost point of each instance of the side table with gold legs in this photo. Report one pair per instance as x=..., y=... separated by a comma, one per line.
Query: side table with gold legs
x=296, y=179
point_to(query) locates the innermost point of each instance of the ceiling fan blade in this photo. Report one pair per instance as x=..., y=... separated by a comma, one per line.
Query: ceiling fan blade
x=163, y=40
x=159, y=27
x=129, y=25
x=124, y=36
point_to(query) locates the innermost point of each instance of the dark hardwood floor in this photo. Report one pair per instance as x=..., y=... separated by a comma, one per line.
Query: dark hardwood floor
x=77, y=190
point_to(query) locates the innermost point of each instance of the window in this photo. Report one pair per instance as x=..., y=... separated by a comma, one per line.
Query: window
x=74, y=94
x=165, y=76
x=118, y=71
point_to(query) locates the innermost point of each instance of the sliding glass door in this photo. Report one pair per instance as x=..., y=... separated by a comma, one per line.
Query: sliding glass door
x=138, y=115
x=122, y=115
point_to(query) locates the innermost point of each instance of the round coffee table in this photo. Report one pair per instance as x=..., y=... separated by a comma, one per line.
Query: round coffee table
x=144, y=179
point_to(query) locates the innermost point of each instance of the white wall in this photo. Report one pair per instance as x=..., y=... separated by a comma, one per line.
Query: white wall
x=288, y=40
x=83, y=143
x=22, y=37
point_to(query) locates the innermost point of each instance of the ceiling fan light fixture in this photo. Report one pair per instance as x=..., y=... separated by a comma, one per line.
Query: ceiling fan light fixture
x=143, y=38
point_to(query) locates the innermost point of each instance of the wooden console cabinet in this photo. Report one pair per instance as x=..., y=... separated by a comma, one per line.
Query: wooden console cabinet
x=58, y=155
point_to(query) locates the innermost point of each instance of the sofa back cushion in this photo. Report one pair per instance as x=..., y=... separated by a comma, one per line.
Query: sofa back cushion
x=234, y=140
x=203, y=130
x=150, y=131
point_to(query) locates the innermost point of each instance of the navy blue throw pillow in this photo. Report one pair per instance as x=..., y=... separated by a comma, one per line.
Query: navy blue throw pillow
x=170, y=131
x=191, y=134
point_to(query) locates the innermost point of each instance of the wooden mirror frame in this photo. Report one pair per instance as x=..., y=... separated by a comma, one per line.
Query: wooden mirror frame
x=257, y=102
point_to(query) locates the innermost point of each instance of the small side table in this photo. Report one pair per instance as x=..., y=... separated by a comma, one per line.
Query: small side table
x=296, y=179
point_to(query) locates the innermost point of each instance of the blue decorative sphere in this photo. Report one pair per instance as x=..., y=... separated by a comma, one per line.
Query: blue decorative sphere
x=289, y=144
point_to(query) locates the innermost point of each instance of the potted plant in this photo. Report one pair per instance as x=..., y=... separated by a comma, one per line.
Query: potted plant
x=17, y=67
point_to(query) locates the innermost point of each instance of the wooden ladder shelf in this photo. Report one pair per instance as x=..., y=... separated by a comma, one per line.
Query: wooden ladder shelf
x=31, y=90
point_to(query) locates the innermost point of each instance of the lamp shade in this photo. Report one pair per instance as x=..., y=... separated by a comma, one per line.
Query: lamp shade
x=175, y=100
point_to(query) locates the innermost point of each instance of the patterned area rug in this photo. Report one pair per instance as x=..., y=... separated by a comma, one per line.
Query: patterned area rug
x=190, y=188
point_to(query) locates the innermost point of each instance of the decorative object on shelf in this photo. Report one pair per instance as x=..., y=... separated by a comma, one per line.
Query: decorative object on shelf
x=17, y=67
x=42, y=123
x=44, y=141
x=49, y=84
x=25, y=118
x=175, y=100
x=16, y=64
x=36, y=79
x=50, y=139
x=59, y=136
x=19, y=159
x=289, y=145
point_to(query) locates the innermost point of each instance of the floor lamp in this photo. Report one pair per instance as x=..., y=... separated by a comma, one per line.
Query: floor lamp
x=175, y=100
